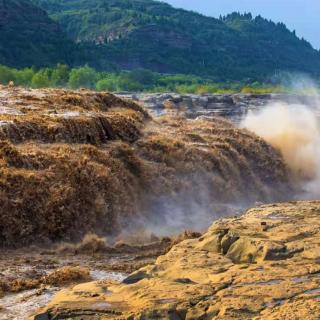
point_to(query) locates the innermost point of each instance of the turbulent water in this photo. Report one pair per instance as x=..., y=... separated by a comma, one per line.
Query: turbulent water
x=295, y=130
x=289, y=122
x=79, y=162
x=233, y=107
x=73, y=163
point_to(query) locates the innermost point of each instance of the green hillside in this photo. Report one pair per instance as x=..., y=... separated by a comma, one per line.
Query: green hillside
x=131, y=34
x=153, y=35
x=28, y=37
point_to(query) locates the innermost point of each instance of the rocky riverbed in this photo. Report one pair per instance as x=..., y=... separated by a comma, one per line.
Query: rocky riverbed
x=262, y=265
x=30, y=277
x=231, y=106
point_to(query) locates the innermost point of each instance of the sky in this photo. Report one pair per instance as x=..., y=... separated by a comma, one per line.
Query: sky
x=300, y=15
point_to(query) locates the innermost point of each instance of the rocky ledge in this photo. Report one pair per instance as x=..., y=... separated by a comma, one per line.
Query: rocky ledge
x=231, y=106
x=262, y=265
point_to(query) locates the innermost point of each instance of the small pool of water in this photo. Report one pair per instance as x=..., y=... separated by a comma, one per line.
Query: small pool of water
x=107, y=275
x=21, y=305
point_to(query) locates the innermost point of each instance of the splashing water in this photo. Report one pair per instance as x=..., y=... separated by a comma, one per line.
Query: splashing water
x=295, y=130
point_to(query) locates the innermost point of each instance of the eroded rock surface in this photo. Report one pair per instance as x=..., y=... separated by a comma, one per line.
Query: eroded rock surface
x=262, y=265
x=231, y=106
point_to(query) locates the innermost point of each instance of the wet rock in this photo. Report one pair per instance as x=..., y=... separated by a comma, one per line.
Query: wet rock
x=233, y=107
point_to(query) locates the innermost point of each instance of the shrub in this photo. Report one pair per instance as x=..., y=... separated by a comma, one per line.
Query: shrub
x=6, y=75
x=107, y=85
x=60, y=75
x=41, y=79
x=83, y=77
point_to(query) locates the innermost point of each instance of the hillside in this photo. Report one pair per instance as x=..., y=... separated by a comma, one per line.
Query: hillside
x=125, y=35
x=154, y=35
x=28, y=37
x=75, y=162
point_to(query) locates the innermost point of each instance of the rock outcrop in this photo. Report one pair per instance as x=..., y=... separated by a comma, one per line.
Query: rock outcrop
x=231, y=106
x=263, y=265
x=74, y=162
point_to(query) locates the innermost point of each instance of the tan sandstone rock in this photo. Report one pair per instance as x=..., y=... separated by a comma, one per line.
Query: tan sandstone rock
x=237, y=270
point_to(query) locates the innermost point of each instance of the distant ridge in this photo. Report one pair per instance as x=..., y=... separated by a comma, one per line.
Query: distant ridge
x=130, y=34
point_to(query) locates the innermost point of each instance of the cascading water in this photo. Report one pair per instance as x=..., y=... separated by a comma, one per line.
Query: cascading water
x=294, y=129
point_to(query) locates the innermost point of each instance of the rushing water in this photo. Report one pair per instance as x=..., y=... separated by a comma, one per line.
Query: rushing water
x=236, y=108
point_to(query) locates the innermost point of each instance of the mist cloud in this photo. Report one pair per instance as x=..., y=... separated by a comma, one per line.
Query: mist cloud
x=293, y=129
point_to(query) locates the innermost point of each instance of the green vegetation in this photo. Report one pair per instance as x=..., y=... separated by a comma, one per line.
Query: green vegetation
x=116, y=35
x=131, y=34
x=28, y=37
x=138, y=80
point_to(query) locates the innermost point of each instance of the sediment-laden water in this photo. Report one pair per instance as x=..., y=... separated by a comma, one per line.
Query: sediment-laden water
x=78, y=163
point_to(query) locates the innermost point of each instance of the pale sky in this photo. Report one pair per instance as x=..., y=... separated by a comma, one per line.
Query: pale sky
x=300, y=15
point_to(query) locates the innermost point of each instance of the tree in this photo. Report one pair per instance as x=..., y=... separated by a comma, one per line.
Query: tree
x=107, y=84
x=41, y=79
x=85, y=77
x=6, y=75
x=143, y=76
x=127, y=84
x=24, y=77
x=60, y=75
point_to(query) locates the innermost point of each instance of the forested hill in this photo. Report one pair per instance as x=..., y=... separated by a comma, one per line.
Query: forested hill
x=28, y=37
x=130, y=34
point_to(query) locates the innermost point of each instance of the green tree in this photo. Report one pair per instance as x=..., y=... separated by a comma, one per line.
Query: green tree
x=60, y=75
x=83, y=77
x=143, y=76
x=127, y=84
x=107, y=84
x=41, y=79
x=24, y=77
x=6, y=75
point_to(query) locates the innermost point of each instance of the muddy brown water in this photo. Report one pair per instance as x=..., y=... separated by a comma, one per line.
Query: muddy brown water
x=35, y=263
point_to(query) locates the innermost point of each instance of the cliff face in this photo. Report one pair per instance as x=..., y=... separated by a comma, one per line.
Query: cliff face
x=263, y=265
x=29, y=37
x=74, y=162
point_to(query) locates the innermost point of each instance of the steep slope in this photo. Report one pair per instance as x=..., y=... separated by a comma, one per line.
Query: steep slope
x=28, y=37
x=154, y=35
